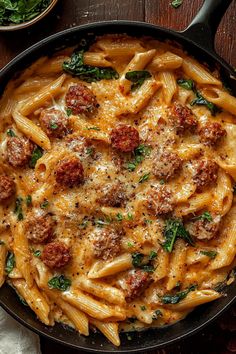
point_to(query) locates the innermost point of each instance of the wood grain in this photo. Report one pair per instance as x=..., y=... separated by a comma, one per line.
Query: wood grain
x=219, y=338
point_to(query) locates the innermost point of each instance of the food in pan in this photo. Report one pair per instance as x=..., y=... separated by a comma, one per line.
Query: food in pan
x=117, y=185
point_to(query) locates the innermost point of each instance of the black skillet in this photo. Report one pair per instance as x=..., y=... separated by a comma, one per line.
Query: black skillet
x=197, y=39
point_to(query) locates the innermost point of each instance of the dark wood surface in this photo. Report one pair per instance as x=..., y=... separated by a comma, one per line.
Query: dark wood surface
x=220, y=338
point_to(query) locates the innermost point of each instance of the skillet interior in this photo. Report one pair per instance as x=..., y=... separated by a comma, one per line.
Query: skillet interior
x=153, y=338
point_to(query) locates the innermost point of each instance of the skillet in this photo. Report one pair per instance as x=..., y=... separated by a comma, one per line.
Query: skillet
x=198, y=40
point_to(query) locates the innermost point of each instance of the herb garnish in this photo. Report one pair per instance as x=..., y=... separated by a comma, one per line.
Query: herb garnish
x=206, y=216
x=143, y=308
x=130, y=216
x=101, y=222
x=10, y=132
x=18, y=11
x=144, y=177
x=119, y=217
x=187, y=84
x=10, y=263
x=130, y=244
x=28, y=200
x=152, y=255
x=93, y=128
x=140, y=261
x=156, y=314
x=59, y=282
x=175, y=298
x=75, y=66
x=37, y=253
x=174, y=229
x=139, y=154
x=68, y=111
x=210, y=254
x=53, y=126
x=176, y=3
x=18, y=208
x=137, y=78
x=37, y=153
x=44, y=204
x=202, y=101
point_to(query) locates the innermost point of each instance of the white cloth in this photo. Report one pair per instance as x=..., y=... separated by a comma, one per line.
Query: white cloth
x=16, y=339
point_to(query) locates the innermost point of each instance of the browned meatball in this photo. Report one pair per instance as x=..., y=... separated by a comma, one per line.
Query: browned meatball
x=182, y=118
x=211, y=133
x=56, y=255
x=107, y=243
x=80, y=99
x=204, y=229
x=136, y=283
x=124, y=138
x=7, y=187
x=69, y=172
x=205, y=173
x=113, y=195
x=166, y=165
x=53, y=122
x=19, y=151
x=160, y=201
x=40, y=229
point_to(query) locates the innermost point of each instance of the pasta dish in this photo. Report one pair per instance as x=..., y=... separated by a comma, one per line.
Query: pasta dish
x=117, y=179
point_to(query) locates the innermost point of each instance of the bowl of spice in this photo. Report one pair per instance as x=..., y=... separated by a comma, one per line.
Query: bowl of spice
x=17, y=14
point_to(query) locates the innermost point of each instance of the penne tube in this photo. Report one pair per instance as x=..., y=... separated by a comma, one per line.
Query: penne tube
x=165, y=61
x=177, y=265
x=100, y=289
x=52, y=65
x=119, y=47
x=34, y=299
x=78, y=318
x=139, y=62
x=22, y=253
x=198, y=73
x=161, y=265
x=91, y=306
x=109, y=329
x=31, y=130
x=195, y=298
x=169, y=85
x=220, y=98
x=223, y=194
x=104, y=268
x=195, y=203
x=40, y=98
x=96, y=59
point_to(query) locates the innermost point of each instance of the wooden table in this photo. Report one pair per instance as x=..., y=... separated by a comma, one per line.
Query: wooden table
x=220, y=338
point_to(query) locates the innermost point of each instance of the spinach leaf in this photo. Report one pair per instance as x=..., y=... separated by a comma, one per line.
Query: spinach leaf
x=202, y=101
x=186, y=84
x=206, y=216
x=137, y=78
x=59, y=282
x=18, y=11
x=210, y=254
x=176, y=3
x=174, y=229
x=37, y=153
x=175, y=298
x=75, y=66
x=142, y=262
x=139, y=154
x=10, y=263
x=18, y=208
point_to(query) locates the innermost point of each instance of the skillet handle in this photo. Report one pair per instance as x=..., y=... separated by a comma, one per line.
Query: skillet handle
x=203, y=28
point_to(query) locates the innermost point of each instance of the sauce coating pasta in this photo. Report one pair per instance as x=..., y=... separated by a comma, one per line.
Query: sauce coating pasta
x=117, y=171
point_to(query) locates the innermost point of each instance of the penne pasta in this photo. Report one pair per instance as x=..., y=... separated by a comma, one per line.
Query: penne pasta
x=198, y=73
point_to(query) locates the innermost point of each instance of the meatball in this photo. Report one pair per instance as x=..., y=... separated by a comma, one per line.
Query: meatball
x=56, y=255
x=69, y=172
x=204, y=229
x=40, y=229
x=80, y=99
x=182, y=118
x=211, y=133
x=19, y=151
x=166, y=165
x=113, y=195
x=7, y=187
x=107, y=243
x=124, y=138
x=53, y=122
x=160, y=201
x=205, y=173
x=136, y=283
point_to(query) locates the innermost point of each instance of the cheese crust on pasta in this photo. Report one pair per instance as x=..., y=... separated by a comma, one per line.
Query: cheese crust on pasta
x=117, y=173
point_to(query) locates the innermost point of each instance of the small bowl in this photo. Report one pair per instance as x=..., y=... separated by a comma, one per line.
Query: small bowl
x=31, y=22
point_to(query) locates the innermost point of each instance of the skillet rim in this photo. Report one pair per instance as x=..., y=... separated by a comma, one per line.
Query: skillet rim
x=104, y=27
